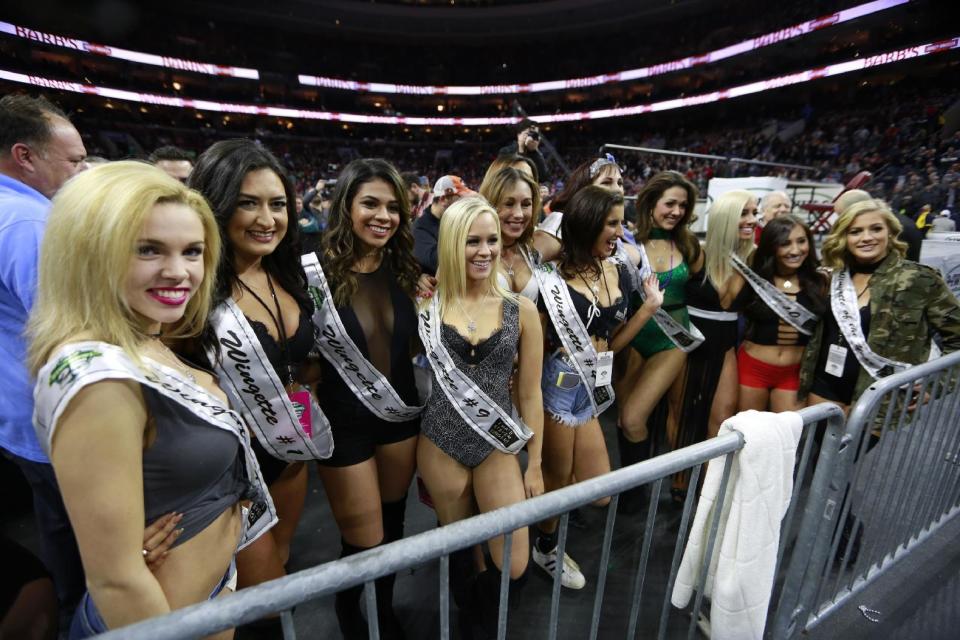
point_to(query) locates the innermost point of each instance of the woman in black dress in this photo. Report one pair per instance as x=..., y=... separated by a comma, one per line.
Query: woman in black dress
x=368, y=261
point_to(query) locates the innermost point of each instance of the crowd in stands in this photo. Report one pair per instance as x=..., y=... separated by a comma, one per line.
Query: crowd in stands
x=899, y=136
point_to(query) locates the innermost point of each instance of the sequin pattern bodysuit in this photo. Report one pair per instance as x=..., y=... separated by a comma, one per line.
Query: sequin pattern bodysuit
x=488, y=364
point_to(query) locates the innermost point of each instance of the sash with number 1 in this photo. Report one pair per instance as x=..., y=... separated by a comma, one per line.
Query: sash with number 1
x=289, y=428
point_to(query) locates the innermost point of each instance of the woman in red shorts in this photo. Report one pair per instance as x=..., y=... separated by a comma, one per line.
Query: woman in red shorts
x=779, y=317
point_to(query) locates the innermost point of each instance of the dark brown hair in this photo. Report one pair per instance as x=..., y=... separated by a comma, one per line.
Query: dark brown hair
x=340, y=244
x=647, y=200
x=582, y=222
x=775, y=234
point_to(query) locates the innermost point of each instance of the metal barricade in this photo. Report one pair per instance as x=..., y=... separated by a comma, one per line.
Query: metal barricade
x=891, y=481
x=284, y=593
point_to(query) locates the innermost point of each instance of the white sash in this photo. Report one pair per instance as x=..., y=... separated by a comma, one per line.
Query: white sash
x=684, y=339
x=258, y=393
x=791, y=311
x=716, y=316
x=366, y=382
x=843, y=303
x=531, y=256
x=576, y=341
x=478, y=410
x=73, y=367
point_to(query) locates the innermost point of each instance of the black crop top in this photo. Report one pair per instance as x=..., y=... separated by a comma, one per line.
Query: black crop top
x=601, y=326
x=765, y=327
x=831, y=387
x=299, y=344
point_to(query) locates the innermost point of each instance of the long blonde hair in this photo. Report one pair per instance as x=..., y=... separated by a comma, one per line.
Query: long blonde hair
x=723, y=229
x=493, y=187
x=90, y=238
x=834, y=250
x=451, y=252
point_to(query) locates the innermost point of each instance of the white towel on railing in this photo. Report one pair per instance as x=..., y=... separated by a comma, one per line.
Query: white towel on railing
x=740, y=576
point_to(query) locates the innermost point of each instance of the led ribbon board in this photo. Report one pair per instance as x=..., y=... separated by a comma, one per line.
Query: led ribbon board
x=746, y=46
x=858, y=64
x=167, y=62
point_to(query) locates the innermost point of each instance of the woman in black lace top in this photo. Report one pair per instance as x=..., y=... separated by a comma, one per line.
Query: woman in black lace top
x=483, y=327
x=598, y=288
x=253, y=201
x=368, y=261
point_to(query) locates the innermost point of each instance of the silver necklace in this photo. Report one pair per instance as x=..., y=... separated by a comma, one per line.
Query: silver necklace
x=787, y=284
x=471, y=323
x=508, y=266
x=660, y=260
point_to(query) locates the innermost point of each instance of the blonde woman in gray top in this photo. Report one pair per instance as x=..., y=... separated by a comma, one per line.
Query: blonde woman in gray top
x=472, y=330
x=125, y=267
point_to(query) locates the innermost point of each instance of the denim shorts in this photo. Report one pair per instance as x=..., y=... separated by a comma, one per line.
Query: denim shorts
x=568, y=404
x=87, y=621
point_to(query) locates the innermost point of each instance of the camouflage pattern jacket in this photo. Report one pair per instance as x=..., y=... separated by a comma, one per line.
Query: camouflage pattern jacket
x=909, y=302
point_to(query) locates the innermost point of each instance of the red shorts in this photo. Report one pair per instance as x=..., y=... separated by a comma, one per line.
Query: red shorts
x=761, y=375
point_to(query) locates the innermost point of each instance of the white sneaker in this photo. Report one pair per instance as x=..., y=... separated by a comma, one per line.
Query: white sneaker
x=571, y=578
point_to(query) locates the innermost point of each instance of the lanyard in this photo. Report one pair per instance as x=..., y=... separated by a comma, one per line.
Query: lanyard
x=278, y=322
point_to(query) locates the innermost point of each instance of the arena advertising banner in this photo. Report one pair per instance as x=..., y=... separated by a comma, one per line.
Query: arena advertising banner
x=942, y=251
x=759, y=86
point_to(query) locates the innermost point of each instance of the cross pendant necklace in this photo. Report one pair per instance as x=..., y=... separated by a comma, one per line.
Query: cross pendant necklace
x=471, y=323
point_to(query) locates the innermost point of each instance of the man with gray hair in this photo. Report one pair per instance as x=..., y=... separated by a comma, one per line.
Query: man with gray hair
x=775, y=204
x=39, y=151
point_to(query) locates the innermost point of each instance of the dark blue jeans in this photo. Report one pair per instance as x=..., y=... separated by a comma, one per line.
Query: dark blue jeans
x=58, y=546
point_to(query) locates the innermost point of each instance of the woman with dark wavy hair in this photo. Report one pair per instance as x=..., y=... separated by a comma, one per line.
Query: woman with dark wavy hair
x=261, y=289
x=584, y=298
x=369, y=264
x=768, y=361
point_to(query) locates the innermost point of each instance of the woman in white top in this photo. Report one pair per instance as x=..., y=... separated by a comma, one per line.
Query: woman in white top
x=515, y=196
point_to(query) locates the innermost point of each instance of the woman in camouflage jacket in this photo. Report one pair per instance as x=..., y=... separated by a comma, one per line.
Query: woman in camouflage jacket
x=902, y=304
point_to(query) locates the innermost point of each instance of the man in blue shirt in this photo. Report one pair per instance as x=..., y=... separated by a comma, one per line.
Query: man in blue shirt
x=39, y=151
